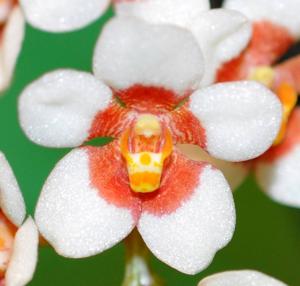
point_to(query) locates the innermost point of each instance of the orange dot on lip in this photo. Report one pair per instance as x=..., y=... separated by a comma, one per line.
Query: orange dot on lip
x=145, y=159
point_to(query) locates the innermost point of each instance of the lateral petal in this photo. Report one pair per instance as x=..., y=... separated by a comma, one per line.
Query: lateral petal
x=58, y=109
x=241, y=119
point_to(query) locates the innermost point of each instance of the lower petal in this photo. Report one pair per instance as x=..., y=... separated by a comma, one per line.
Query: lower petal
x=188, y=236
x=72, y=213
x=277, y=170
x=240, y=278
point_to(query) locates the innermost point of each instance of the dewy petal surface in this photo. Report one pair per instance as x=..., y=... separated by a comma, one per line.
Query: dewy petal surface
x=280, y=12
x=240, y=278
x=72, y=215
x=176, y=12
x=62, y=15
x=22, y=264
x=11, y=199
x=241, y=119
x=57, y=110
x=132, y=52
x=10, y=45
x=277, y=171
x=187, y=237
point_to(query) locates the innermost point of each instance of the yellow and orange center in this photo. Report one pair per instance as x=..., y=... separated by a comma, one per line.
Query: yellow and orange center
x=285, y=92
x=145, y=148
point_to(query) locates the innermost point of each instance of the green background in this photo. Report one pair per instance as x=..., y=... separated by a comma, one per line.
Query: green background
x=267, y=234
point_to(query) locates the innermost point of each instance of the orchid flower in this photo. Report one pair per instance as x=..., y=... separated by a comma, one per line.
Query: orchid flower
x=11, y=36
x=18, y=240
x=240, y=278
x=145, y=94
x=275, y=28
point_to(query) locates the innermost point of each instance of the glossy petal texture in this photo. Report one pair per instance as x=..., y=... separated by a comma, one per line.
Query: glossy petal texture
x=10, y=46
x=163, y=11
x=62, y=15
x=22, y=264
x=280, y=12
x=58, y=109
x=277, y=170
x=235, y=173
x=188, y=238
x=11, y=199
x=240, y=278
x=72, y=215
x=289, y=72
x=241, y=119
x=132, y=52
x=222, y=35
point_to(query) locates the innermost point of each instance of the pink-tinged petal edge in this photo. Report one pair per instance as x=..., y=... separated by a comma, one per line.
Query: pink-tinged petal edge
x=58, y=109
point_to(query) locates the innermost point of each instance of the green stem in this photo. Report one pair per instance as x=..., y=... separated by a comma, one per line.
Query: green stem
x=137, y=271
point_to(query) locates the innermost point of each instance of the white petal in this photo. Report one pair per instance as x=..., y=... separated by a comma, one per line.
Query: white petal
x=24, y=256
x=176, y=12
x=11, y=45
x=11, y=199
x=235, y=173
x=188, y=238
x=240, y=278
x=131, y=51
x=241, y=119
x=282, y=12
x=57, y=110
x=62, y=15
x=222, y=35
x=73, y=217
x=280, y=178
